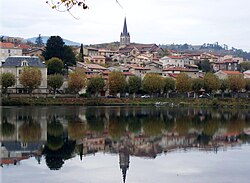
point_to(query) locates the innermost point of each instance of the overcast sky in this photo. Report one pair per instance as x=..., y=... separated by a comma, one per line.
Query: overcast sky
x=149, y=21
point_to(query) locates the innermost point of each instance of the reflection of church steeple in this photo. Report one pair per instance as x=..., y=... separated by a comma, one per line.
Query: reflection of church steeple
x=124, y=164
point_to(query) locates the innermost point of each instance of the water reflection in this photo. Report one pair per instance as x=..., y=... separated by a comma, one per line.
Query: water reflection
x=61, y=133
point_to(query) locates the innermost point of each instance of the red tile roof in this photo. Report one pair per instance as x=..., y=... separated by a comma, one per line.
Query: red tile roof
x=176, y=57
x=232, y=72
x=139, y=68
x=180, y=69
x=6, y=45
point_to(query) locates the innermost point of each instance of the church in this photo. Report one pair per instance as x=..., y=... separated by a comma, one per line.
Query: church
x=128, y=48
x=125, y=37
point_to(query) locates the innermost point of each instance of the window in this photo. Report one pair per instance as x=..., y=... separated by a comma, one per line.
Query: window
x=24, y=63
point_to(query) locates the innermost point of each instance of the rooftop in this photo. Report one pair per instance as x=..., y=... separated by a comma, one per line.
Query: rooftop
x=16, y=61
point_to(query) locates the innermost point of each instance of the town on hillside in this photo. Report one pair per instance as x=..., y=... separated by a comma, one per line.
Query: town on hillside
x=129, y=59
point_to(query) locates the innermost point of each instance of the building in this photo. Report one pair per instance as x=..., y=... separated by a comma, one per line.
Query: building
x=173, y=72
x=125, y=36
x=137, y=49
x=139, y=71
x=175, y=61
x=33, y=52
x=15, y=64
x=227, y=64
x=223, y=74
x=8, y=49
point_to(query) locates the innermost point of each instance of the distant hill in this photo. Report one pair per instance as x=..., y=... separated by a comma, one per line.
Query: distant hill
x=45, y=39
x=207, y=47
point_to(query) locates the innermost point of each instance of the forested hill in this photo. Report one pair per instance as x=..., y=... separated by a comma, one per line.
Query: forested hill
x=206, y=47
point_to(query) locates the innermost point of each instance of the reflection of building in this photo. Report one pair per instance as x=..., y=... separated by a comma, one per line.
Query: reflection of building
x=12, y=152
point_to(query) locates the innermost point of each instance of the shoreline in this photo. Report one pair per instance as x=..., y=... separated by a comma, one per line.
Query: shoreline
x=170, y=102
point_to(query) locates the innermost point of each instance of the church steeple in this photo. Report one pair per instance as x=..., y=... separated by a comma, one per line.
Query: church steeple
x=125, y=29
x=125, y=37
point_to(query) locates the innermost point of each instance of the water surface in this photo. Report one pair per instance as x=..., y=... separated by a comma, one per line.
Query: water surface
x=124, y=144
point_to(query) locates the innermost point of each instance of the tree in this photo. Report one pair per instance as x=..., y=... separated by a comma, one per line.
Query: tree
x=30, y=78
x=39, y=40
x=55, y=47
x=68, y=4
x=224, y=85
x=247, y=84
x=55, y=66
x=183, y=83
x=152, y=83
x=95, y=85
x=77, y=81
x=81, y=55
x=211, y=82
x=169, y=85
x=116, y=82
x=134, y=84
x=69, y=57
x=7, y=80
x=244, y=66
x=236, y=83
x=55, y=82
x=205, y=66
x=197, y=85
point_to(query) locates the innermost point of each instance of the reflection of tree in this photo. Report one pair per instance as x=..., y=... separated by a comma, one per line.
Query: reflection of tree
x=30, y=131
x=117, y=127
x=54, y=142
x=7, y=129
x=76, y=129
x=95, y=122
x=236, y=126
x=55, y=158
x=54, y=134
x=55, y=128
x=153, y=127
x=134, y=124
x=210, y=127
x=182, y=125
x=203, y=139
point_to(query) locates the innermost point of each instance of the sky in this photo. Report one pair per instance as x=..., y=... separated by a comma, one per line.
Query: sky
x=230, y=166
x=149, y=21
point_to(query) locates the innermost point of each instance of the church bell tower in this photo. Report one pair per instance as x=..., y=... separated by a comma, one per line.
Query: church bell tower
x=125, y=37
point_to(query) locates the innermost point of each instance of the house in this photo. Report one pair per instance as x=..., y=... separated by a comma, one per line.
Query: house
x=97, y=59
x=136, y=49
x=246, y=74
x=224, y=74
x=228, y=64
x=155, y=66
x=15, y=64
x=106, y=52
x=175, y=61
x=139, y=71
x=174, y=71
x=89, y=51
x=91, y=67
x=33, y=52
x=9, y=49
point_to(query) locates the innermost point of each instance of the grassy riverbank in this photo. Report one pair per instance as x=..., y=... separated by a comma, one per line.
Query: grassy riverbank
x=213, y=102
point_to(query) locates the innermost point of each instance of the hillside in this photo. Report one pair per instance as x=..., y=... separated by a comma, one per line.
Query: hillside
x=207, y=47
x=45, y=39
